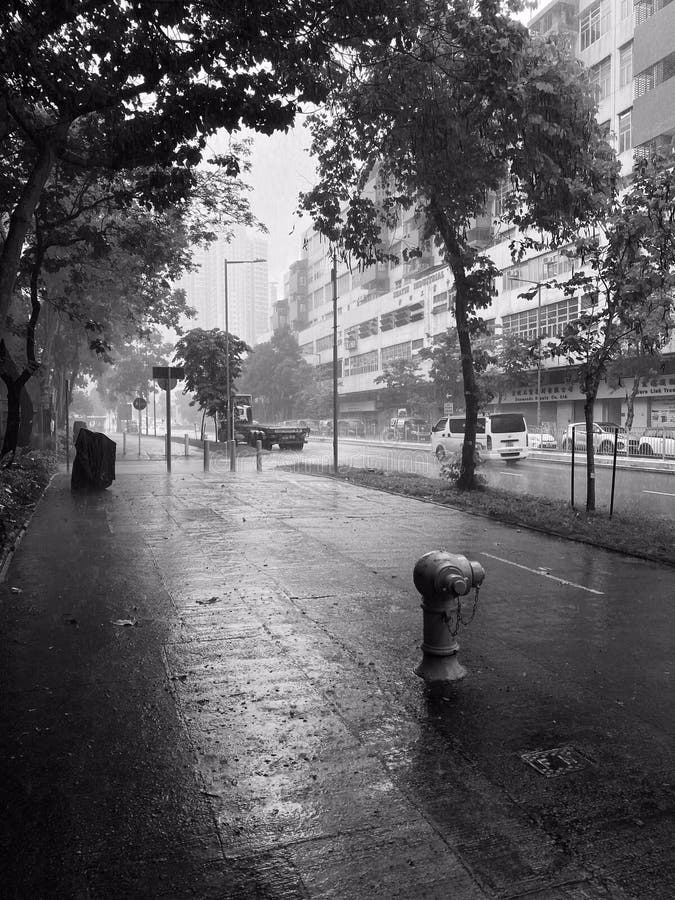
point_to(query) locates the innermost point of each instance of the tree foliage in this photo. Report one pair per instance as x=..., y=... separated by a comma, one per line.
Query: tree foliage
x=445, y=367
x=405, y=386
x=276, y=375
x=439, y=120
x=626, y=281
x=204, y=355
x=127, y=85
x=129, y=374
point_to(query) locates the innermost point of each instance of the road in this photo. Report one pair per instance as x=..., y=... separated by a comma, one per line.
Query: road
x=635, y=489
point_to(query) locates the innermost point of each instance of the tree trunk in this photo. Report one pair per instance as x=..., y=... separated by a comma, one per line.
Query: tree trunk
x=26, y=413
x=467, y=475
x=630, y=402
x=20, y=221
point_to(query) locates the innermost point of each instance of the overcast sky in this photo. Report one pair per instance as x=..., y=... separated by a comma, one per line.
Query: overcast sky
x=281, y=168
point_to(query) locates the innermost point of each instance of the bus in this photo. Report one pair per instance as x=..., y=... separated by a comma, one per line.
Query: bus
x=498, y=436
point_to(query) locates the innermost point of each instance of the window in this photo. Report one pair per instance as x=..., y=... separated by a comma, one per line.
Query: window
x=626, y=8
x=601, y=78
x=655, y=75
x=552, y=319
x=644, y=9
x=625, y=64
x=359, y=365
x=593, y=23
x=324, y=343
x=625, y=138
x=396, y=351
x=501, y=194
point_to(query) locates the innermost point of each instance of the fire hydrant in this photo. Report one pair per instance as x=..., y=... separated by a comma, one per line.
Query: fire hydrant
x=442, y=578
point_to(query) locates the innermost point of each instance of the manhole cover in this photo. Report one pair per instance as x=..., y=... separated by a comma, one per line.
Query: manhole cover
x=558, y=761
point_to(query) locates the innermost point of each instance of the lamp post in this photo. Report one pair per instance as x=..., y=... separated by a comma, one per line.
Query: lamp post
x=538, y=284
x=335, y=362
x=229, y=424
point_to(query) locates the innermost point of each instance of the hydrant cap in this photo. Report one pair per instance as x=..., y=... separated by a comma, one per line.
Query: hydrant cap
x=435, y=571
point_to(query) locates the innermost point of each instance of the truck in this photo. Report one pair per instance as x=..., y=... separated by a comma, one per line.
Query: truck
x=247, y=430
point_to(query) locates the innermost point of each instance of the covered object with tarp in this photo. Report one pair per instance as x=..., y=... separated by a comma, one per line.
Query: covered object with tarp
x=94, y=464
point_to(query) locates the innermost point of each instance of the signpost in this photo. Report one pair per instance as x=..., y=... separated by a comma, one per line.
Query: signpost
x=139, y=404
x=167, y=377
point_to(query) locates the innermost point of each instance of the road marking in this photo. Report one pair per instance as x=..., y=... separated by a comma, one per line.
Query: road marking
x=512, y=474
x=544, y=574
x=660, y=493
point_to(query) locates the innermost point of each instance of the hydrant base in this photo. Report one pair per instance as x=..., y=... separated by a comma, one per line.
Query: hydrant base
x=434, y=669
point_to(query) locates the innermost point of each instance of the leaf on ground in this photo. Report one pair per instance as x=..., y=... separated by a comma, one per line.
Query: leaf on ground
x=124, y=622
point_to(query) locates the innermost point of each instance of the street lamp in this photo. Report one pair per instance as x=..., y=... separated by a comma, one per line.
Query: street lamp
x=229, y=424
x=538, y=284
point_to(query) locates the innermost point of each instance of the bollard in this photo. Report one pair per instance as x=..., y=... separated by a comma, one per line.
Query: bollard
x=258, y=456
x=442, y=578
x=207, y=456
x=187, y=444
x=233, y=455
x=124, y=443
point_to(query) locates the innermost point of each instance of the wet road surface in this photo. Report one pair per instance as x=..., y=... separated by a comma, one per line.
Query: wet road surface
x=259, y=731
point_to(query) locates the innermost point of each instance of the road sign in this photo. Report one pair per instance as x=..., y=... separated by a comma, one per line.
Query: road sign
x=140, y=403
x=168, y=376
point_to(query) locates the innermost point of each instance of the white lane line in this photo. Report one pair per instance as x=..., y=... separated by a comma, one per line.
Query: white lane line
x=660, y=493
x=512, y=474
x=544, y=574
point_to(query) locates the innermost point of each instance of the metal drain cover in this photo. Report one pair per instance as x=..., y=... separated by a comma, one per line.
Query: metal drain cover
x=558, y=761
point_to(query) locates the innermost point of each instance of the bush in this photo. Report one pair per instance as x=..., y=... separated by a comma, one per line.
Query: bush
x=451, y=468
x=23, y=480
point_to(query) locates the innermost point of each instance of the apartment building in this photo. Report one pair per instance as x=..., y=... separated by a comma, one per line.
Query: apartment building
x=387, y=312
x=248, y=304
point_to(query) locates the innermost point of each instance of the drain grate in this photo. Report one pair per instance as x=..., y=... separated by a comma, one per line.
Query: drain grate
x=558, y=761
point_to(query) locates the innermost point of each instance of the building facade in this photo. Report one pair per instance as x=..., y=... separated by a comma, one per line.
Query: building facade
x=248, y=303
x=387, y=312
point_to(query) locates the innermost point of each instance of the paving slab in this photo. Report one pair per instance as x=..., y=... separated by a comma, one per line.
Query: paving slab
x=255, y=729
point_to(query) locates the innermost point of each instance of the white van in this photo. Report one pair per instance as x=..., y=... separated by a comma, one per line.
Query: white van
x=498, y=436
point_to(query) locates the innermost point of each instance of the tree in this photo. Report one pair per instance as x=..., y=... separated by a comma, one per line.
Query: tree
x=508, y=359
x=118, y=86
x=129, y=374
x=445, y=368
x=103, y=266
x=626, y=283
x=204, y=356
x=405, y=386
x=276, y=374
x=458, y=106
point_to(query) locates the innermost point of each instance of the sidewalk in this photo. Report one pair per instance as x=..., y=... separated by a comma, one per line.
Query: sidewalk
x=208, y=693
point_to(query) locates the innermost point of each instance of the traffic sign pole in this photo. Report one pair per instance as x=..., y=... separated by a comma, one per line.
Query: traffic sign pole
x=168, y=428
x=140, y=426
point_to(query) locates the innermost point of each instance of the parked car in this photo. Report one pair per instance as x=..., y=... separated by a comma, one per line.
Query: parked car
x=541, y=440
x=498, y=436
x=657, y=442
x=351, y=428
x=412, y=429
x=603, y=437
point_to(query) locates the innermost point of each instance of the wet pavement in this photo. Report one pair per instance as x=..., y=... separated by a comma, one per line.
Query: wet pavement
x=255, y=729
